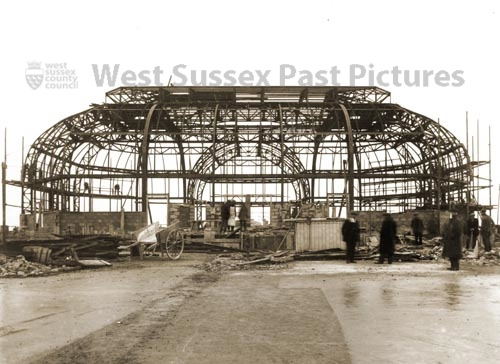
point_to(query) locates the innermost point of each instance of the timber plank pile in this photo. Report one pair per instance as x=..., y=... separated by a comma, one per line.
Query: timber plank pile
x=91, y=246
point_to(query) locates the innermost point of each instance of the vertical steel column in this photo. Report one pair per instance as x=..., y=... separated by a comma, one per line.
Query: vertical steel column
x=4, y=191
x=214, y=139
x=143, y=165
x=350, y=160
x=282, y=153
x=468, y=160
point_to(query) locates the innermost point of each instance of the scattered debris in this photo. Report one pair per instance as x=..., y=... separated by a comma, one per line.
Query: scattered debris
x=20, y=267
x=486, y=259
x=258, y=261
x=93, y=263
x=91, y=246
x=37, y=254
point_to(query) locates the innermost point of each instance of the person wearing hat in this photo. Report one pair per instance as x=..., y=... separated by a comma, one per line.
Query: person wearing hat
x=452, y=248
x=417, y=226
x=224, y=214
x=388, y=233
x=243, y=215
x=487, y=226
x=471, y=231
x=350, y=234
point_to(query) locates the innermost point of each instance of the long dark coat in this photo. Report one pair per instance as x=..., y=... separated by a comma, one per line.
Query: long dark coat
x=388, y=235
x=453, y=239
x=487, y=225
x=243, y=214
x=350, y=231
x=417, y=225
x=224, y=213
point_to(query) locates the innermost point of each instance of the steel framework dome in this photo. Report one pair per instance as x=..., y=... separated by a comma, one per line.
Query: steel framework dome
x=199, y=144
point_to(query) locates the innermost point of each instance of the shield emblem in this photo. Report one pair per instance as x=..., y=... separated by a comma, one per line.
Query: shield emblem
x=34, y=75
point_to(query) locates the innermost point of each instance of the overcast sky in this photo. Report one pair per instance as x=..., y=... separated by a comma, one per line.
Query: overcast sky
x=458, y=38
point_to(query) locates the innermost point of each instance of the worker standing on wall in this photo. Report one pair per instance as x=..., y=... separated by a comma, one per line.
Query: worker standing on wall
x=231, y=221
x=224, y=214
x=350, y=234
x=243, y=216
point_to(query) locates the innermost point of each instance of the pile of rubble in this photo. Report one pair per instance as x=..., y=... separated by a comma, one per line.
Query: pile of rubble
x=19, y=267
x=433, y=250
x=91, y=246
x=486, y=258
x=419, y=252
x=239, y=261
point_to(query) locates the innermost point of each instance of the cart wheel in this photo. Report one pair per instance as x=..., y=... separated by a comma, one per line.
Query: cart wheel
x=174, y=244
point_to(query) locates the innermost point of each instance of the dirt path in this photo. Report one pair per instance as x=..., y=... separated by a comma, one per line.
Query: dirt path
x=310, y=312
x=38, y=315
x=232, y=320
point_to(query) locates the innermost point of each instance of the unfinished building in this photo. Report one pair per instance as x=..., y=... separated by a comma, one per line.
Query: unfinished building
x=173, y=154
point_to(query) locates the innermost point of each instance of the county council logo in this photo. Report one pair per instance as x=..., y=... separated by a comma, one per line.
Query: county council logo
x=34, y=74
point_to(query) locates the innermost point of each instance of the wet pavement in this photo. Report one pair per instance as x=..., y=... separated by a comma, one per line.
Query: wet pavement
x=43, y=313
x=409, y=312
x=326, y=311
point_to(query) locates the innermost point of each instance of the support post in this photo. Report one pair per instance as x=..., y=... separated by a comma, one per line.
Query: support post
x=144, y=158
x=214, y=145
x=4, y=195
x=350, y=160
x=282, y=154
x=4, y=191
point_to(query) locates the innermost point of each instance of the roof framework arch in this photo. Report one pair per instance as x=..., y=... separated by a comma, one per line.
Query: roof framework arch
x=176, y=140
x=243, y=155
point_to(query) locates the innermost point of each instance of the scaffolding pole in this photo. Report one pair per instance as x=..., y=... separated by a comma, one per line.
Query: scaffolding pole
x=4, y=191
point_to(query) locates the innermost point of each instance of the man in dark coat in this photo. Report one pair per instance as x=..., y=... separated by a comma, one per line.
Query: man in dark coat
x=417, y=226
x=224, y=215
x=387, y=239
x=243, y=216
x=487, y=228
x=350, y=234
x=471, y=231
x=452, y=248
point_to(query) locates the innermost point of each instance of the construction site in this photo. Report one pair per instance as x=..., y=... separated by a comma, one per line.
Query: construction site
x=147, y=175
x=174, y=155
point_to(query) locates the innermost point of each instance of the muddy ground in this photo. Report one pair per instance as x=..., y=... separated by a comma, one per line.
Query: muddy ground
x=156, y=311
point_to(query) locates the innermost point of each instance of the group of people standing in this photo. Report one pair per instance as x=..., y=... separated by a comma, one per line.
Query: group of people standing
x=228, y=216
x=472, y=230
x=388, y=231
x=456, y=230
x=454, y=233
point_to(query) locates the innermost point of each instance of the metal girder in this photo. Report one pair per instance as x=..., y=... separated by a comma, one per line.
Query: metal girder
x=179, y=139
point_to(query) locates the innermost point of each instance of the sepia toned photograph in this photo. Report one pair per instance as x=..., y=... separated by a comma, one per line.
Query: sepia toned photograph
x=249, y=182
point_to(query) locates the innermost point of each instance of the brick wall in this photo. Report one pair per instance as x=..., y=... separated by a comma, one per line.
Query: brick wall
x=59, y=222
x=280, y=212
x=27, y=221
x=183, y=214
x=372, y=220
